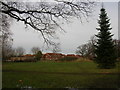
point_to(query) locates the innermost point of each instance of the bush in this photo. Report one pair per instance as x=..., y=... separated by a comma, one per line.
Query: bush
x=68, y=58
x=38, y=55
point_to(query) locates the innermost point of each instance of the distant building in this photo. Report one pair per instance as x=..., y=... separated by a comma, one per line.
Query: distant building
x=73, y=55
x=52, y=56
x=47, y=56
x=78, y=56
x=56, y=56
x=27, y=57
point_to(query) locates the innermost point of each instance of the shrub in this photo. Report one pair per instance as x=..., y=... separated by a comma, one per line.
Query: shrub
x=68, y=58
x=38, y=55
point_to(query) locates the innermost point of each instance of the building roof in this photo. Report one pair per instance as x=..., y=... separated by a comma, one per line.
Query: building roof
x=53, y=54
x=29, y=55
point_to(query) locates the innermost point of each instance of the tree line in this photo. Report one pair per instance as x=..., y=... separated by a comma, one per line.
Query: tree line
x=9, y=52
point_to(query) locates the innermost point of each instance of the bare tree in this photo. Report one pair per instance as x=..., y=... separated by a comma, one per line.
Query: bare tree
x=45, y=16
x=93, y=40
x=13, y=52
x=117, y=47
x=20, y=51
x=56, y=48
x=92, y=43
x=35, y=50
x=87, y=50
x=82, y=50
x=5, y=36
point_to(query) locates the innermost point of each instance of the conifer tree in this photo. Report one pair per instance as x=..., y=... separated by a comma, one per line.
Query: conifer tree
x=104, y=49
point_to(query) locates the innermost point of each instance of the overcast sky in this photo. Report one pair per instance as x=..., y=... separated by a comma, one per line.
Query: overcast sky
x=77, y=33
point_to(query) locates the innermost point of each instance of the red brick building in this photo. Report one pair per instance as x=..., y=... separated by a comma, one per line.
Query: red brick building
x=55, y=56
x=27, y=57
x=47, y=56
x=52, y=56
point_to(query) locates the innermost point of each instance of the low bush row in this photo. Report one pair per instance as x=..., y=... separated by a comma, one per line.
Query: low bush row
x=68, y=58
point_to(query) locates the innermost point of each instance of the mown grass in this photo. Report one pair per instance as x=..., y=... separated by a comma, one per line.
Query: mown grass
x=82, y=75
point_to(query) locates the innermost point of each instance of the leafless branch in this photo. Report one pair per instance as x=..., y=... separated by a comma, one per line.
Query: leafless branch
x=44, y=17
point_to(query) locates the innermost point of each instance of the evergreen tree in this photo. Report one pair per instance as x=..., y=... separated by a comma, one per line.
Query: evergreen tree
x=38, y=55
x=104, y=49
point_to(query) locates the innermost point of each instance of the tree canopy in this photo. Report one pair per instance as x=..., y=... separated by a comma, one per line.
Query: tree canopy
x=45, y=17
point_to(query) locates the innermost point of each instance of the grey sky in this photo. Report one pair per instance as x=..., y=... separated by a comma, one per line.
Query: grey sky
x=77, y=33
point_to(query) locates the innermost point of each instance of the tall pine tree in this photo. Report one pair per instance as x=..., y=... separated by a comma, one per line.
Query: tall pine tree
x=105, y=52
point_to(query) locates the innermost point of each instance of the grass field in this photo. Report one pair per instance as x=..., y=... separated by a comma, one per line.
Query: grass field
x=58, y=75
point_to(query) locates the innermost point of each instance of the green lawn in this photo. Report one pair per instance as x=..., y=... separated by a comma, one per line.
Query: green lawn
x=58, y=75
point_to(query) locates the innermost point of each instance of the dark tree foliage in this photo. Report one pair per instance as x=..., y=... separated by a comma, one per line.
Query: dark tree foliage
x=38, y=55
x=105, y=48
x=118, y=49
